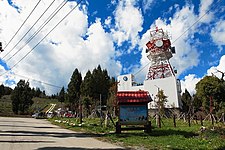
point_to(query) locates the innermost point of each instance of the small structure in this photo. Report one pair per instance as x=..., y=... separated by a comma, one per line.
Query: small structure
x=133, y=110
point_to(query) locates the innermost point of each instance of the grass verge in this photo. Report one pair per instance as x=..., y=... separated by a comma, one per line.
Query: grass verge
x=167, y=137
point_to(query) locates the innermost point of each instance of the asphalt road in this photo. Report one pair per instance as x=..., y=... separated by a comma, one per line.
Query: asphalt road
x=39, y=134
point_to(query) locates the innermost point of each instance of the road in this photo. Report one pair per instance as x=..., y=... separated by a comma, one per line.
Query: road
x=39, y=134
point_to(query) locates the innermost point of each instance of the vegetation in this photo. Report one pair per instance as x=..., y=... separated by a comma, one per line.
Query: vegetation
x=167, y=137
x=211, y=87
x=21, y=97
x=209, y=99
x=5, y=90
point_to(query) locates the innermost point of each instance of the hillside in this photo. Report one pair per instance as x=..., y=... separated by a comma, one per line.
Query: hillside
x=40, y=104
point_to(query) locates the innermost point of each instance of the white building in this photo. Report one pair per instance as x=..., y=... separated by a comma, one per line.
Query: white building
x=170, y=86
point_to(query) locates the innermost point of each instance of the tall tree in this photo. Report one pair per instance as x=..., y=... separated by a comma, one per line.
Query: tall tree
x=101, y=84
x=187, y=101
x=21, y=97
x=162, y=99
x=74, y=89
x=86, y=85
x=211, y=86
x=61, y=97
x=112, y=103
x=2, y=90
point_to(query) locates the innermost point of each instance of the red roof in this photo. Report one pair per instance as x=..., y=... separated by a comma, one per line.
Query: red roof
x=133, y=97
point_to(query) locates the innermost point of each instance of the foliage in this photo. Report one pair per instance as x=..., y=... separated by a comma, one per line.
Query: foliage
x=94, y=86
x=21, y=97
x=162, y=99
x=5, y=90
x=112, y=103
x=86, y=85
x=61, y=97
x=100, y=82
x=86, y=102
x=187, y=101
x=211, y=86
x=74, y=89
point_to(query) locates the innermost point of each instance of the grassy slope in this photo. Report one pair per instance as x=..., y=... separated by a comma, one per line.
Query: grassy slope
x=39, y=103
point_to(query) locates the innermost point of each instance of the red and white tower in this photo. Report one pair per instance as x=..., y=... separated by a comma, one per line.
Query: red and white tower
x=159, y=51
x=160, y=75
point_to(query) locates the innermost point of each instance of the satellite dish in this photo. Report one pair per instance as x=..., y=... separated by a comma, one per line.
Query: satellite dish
x=159, y=43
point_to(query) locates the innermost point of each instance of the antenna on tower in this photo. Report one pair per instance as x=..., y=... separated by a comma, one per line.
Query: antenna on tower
x=159, y=51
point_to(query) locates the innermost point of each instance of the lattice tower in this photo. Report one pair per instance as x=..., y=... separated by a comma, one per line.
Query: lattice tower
x=159, y=51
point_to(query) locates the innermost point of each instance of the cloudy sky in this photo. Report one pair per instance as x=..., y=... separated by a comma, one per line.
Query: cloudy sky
x=45, y=49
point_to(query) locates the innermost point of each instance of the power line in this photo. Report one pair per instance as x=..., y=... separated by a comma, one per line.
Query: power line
x=22, y=24
x=215, y=6
x=51, y=16
x=49, y=84
x=29, y=30
x=44, y=37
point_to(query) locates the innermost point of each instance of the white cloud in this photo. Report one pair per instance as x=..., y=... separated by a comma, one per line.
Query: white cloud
x=191, y=80
x=147, y=4
x=204, y=11
x=77, y=45
x=189, y=83
x=218, y=33
x=128, y=22
x=221, y=67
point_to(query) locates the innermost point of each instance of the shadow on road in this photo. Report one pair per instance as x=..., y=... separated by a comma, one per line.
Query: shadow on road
x=48, y=134
x=25, y=141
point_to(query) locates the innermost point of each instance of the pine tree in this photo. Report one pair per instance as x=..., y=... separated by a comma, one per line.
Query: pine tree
x=74, y=89
x=21, y=97
x=61, y=97
x=187, y=101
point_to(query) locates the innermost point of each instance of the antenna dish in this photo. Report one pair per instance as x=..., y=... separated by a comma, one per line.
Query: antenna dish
x=159, y=43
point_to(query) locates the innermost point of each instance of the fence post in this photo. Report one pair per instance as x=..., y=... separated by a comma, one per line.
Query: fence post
x=174, y=121
x=201, y=120
x=189, y=120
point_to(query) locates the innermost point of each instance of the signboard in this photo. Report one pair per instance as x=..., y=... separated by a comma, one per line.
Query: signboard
x=133, y=114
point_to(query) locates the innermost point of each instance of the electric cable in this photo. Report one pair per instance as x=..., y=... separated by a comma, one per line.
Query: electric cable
x=51, y=16
x=215, y=6
x=43, y=37
x=22, y=24
x=29, y=29
x=49, y=84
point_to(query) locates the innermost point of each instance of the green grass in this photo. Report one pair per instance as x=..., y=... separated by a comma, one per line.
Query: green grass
x=167, y=137
x=39, y=103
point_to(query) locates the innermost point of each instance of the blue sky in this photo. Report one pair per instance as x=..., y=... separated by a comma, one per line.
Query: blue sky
x=112, y=33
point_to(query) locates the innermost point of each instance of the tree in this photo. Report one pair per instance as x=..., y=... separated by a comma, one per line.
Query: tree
x=101, y=84
x=5, y=90
x=2, y=90
x=211, y=86
x=86, y=85
x=21, y=97
x=162, y=99
x=61, y=97
x=187, y=101
x=74, y=88
x=112, y=103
